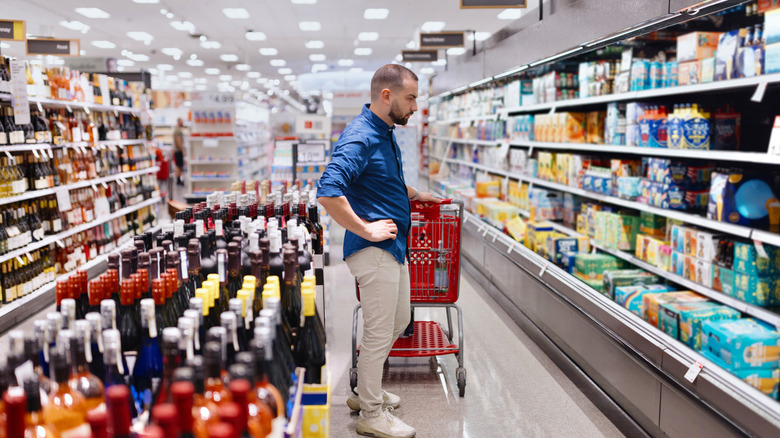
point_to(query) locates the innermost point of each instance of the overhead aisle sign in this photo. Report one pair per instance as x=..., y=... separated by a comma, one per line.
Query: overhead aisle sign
x=54, y=47
x=12, y=30
x=442, y=39
x=475, y=4
x=419, y=55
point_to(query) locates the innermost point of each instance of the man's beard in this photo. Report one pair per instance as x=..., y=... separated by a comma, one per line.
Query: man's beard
x=397, y=116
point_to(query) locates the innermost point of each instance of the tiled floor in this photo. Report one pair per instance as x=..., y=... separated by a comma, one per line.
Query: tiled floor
x=512, y=390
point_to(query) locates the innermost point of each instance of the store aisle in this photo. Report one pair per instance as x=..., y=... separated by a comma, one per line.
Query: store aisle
x=512, y=389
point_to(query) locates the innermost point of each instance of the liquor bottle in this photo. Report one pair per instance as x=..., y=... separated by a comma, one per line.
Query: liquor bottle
x=275, y=255
x=186, y=326
x=148, y=368
x=182, y=393
x=197, y=277
x=35, y=422
x=98, y=423
x=265, y=391
x=318, y=236
x=33, y=347
x=40, y=333
x=237, y=306
x=291, y=294
x=115, y=365
x=215, y=392
x=120, y=414
x=164, y=415
x=158, y=294
x=95, y=345
x=257, y=416
x=68, y=310
x=196, y=315
x=234, y=269
x=222, y=269
x=310, y=349
x=66, y=409
x=81, y=380
x=282, y=341
x=208, y=261
x=128, y=320
x=231, y=413
x=171, y=337
x=228, y=322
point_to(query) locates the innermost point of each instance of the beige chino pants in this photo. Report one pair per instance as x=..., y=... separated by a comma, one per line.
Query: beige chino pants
x=384, y=296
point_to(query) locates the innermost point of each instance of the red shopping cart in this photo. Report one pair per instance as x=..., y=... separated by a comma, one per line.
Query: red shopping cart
x=434, y=270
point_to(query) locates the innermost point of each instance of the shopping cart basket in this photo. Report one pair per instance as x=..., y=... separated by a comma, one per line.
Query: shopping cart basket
x=434, y=270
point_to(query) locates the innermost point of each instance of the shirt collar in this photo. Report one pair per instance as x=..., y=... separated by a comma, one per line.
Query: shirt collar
x=376, y=121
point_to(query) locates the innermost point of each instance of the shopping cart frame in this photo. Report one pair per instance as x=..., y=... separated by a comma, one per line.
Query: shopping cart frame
x=428, y=339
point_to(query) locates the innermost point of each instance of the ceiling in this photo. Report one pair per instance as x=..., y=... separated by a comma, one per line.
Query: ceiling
x=341, y=23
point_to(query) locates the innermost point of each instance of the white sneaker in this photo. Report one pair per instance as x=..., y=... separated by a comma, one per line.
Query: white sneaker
x=388, y=401
x=384, y=425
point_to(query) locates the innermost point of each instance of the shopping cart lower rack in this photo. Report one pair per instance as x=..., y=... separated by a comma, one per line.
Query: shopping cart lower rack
x=434, y=270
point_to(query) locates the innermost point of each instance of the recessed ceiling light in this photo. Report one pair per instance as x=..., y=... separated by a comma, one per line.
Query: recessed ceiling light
x=146, y=1
x=169, y=15
x=456, y=51
x=243, y=67
x=212, y=71
x=356, y=70
x=346, y=62
x=141, y=36
x=363, y=51
x=439, y=62
x=138, y=57
x=185, y=74
x=125, y=62
x=376, y=13
x=433, y=26
x=304, y=2
x=398, y=58
x=172, y=51
x=195, y=62
x=285, y=71
x=318, y=67
x=210, y=44
x=268, y=51
x=262, y=80
x=184, y=26
x=479, y=36
x=201, y=87
x=104, y=44
x=510, y=14
x=93, y=12
x=253, y=74
x=164, y=67
x=255, y=36
x=314, y=44
x=278, y=62
x=411, y=44
x=309, y=26
x=225, y=77
x=236, y=13
x=317, y=57
x=75, y=25
x=427, y=70
x=368, y=36
x=290, y=77
x=229, y=57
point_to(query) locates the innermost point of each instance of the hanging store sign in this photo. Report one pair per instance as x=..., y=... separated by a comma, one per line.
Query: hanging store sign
x=420, y=55
x=476, y=4
x=12, y=30
x=442, y=39
x=53, y=47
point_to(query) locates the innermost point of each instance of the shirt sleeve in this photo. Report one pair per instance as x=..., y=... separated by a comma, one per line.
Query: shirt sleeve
x=348, y=161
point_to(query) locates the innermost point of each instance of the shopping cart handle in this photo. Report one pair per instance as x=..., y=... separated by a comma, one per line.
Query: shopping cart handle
x=429, y=209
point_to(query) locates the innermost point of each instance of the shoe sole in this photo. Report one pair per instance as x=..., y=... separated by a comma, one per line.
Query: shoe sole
x=380, y=434
x=357, y=408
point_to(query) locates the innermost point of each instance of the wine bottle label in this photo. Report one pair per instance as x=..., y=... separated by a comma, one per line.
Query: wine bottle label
x=184, y=265
x=57, y=225
x=76, y=134
x=151, y=321
x=3, y=138
x=88, y=345
x=221, y=267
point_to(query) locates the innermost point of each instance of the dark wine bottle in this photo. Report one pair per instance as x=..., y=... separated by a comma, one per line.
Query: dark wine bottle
x=127, y=323
x=310, y=349
x=147, y=371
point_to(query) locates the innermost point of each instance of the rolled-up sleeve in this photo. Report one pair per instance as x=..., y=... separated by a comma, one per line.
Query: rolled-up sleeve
x=348, y=161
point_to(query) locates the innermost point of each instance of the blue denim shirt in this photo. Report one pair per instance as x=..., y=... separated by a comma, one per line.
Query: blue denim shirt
x=366, y=168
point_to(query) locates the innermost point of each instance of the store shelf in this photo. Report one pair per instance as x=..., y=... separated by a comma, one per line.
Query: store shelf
x=11, y=313
x=734, y=156
x=647, y=94
x=468, y=141
x=210, y=178
x=465, y=119
x=75, y=230
x=78, y=185
x=81, y=105
x=81, y=144
x=215, y=162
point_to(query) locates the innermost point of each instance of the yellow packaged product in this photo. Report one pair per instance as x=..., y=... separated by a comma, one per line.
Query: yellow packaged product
x=516, y=228
x=561, y=168
x=488, y=189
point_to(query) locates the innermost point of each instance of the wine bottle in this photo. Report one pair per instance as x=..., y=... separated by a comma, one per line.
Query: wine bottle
x=196, y=316
x=275, y=255
x=255, y=414
x=222, y=269
x=186, y=326
x=171, y=337
x=215, y=392
x=230, y=413
x=66, y=409
x=127, y=324
x=291, y=294
x=237, y=306
x=234, y=269
x=68, y=311
x=33, y=346
x=148, y=368
x=197, y=277
x=228, y=322
x=183, y=393
x=120, y=414
x=98, y=423
x=81, y=380
x=116, y=368
x=164, y=415
x=36, y=425
x=96, y=366
x=163, y=319
x=41, y=334
x=265, y=390
x=310, y=349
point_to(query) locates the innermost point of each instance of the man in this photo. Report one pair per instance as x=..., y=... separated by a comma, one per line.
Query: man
x=363, y=189
x=178, y=150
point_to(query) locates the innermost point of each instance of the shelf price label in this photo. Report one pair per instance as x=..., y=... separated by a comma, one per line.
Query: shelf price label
x=311, y=153
x=693, y=372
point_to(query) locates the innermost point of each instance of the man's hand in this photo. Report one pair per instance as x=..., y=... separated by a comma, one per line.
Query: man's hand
x=428, y=198
x=380, y=230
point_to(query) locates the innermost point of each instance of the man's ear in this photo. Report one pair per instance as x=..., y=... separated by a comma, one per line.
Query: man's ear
x=386, y=94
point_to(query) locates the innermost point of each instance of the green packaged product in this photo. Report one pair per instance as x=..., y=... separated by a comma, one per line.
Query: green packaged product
x=592, y=266
x=626, y=277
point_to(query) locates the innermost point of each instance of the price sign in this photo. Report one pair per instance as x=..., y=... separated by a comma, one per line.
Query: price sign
x=212, y=100
x=311, y=153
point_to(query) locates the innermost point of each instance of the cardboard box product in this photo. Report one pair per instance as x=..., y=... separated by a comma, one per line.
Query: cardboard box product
x=742, y=343
x=766, y=380
x=723, y=280
x=547, y=204
x=728, y=44
x=697, y=45
x=600, y=227
x=558, y=246
x=488, y=189
x=621, y=231
x=759, y=291
x=772, y=27
x=534, y=231
x=772, y=58
x=665, y=257
x=685, y=174
x=745, y=198
x=668, y=315
x=684, y=239
x=626, y=277
x=630, y=297
x=562, y=162
x=707, y=70
x=652, y=224
x=690, y=320
x=706, y=245
x=650, y=250
x=703, y=273
x=652, y=302
x=592, y=266
x=747, y=260
x=690, y=73
x=594, y=126
x=572, y=127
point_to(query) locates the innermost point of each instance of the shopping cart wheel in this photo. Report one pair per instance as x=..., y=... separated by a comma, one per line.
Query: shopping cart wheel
x=461, y=373
x=353, y=378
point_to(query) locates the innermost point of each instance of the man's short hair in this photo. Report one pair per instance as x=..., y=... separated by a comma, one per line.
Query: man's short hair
x=390, y=76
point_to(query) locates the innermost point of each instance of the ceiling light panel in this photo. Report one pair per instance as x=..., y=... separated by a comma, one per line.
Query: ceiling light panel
x=104, y=44
x=510, y=14
x=363, y=51
x=229, y=57
x=184, y=26
x=315, y=44
x=243, y=67
x=317, y=57
x=309, y=26
x=172, y=51
x=212, y=71
x=93, y=12
x=278, y=62
x=346, y=62
x=210, y=44
x=125, y=62
x=376, y=13
x=255, y=36
x=75, y=25
x=195, y=62
x=236, y=13
x=141, y=36
x=368, y=36
x=456, y=51
x=285, y=71
x=253, y=74
x=433, y=26
x=138, y=57
x=268, y=51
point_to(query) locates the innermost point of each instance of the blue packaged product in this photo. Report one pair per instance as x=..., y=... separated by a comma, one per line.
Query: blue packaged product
x=747, y=260
x=728, y=44
x=666, y=171
x=670, y=74
x=656, y=79
x=629, y=187
x=742, y=343
x=659, y=132
x=696, y=132
x=630, y=297
x=766, y=380
x=747, y=199
x=691, y=320
x=759, y=291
